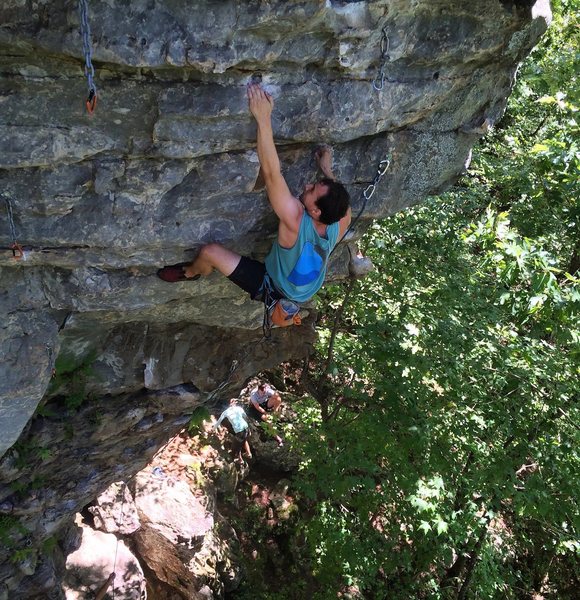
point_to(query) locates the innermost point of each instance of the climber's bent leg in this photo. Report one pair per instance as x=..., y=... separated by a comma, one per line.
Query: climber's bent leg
x=274, y=402
x=210, y=257
x=247, y=449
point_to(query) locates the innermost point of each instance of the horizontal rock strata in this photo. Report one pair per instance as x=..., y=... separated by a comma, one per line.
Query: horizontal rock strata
x=168, y=163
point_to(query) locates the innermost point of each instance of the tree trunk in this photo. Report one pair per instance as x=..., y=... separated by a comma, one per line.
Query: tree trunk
x=472, y=561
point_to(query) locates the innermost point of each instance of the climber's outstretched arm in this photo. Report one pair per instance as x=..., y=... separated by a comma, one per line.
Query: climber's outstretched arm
x=324, y=159
x=285, y=205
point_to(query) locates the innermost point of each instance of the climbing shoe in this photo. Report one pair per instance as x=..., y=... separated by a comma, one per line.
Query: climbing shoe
x=175, y=273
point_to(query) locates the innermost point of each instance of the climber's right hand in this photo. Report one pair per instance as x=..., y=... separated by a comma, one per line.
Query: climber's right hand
x=260, y=102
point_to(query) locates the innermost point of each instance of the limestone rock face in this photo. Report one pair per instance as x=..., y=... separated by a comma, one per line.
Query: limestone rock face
x=114, y=510
x=88, y=568
x=168, y=163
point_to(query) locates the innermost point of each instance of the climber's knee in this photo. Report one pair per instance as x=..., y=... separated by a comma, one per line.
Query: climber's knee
x=221, y=258
x=209, y=251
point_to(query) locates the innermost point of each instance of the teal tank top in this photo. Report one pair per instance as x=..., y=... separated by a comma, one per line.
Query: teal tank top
x=299, y=272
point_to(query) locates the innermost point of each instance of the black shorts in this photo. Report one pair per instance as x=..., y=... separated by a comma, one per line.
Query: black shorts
x=255, y=413
x=249, y=275
x=242, y=436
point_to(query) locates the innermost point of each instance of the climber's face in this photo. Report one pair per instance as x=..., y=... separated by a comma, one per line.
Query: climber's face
x=311, y=193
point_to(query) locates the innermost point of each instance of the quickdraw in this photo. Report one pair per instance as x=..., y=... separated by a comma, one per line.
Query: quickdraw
x=91, y=101
x=17, y=250
x=367, y=194
x=379, y=80
x=383, y=167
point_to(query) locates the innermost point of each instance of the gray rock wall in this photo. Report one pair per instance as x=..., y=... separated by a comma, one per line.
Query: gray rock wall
x=168, y=162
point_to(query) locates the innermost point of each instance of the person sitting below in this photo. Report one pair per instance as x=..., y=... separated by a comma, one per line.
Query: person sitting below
x=309, y=226
x=238, y=427
x=263, y=400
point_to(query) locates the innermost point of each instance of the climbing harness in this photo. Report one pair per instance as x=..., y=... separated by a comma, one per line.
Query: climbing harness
x=17, y=250
x=277, y=311
x=91, y=101
x=283, y=312
x=379, y=80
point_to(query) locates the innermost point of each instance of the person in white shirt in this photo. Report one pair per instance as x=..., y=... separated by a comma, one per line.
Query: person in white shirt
x=263, y=400
x=238, y=426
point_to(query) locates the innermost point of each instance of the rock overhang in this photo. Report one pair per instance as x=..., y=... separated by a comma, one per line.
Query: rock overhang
x=168, y=163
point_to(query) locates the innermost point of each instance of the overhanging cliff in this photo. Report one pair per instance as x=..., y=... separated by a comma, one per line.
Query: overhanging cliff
x=167, y=163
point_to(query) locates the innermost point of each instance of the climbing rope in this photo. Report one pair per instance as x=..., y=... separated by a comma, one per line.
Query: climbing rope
x=91, y=101
x=385, y=163
x=224, y=383
x=379, y=80
x=17, y=251
x=112, y=576
x=50, y=356
x=367, y=194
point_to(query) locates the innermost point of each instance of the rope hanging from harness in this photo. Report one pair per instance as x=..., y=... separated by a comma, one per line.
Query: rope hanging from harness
x=17, y=250
x=121, y=519
x=91, y=101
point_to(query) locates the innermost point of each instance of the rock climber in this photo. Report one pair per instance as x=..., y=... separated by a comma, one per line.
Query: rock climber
x=309, y=227
x=238, y=426
x=263, y=400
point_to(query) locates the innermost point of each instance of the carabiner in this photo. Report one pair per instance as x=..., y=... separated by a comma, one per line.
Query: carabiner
x=380, y=86
x=385, y=44
x=371, y=187
x=383, y=169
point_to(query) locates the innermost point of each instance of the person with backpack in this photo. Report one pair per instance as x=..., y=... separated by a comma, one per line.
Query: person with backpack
x=309, y=227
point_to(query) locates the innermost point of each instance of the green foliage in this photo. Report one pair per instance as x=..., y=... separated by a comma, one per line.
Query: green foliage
x=199, y=415
x=531, y=162
x=442, y=454
x=9, y=527
x=71, y=377
x=27, y=452
x=21, y=554
x=267, y=574
x=48, y=545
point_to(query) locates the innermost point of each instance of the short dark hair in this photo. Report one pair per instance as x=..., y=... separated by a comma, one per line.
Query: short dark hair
x=334, y=204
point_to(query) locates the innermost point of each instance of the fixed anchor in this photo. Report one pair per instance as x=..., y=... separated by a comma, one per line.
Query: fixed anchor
x=91, y=101
x=17, y=250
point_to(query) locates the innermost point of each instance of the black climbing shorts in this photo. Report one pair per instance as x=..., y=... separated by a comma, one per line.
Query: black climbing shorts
x=249, y=275
x=242, y=436
x=255, y=413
